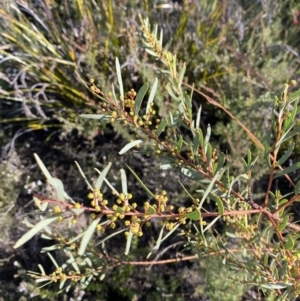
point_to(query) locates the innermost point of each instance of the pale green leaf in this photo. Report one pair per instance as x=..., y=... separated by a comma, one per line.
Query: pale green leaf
x=288, y=170
x=42, y=167
x=207, y=137
x=53, y=260
x=283, y=223
x=124, y=182
x=77, y=211
x=41, y=269
x=88, y=235
x=96, y=116
x=128, y=243
x=211, y=224
x=32, y=232
x=119, y=76
x=139, y=98
x=170, y=232
x=209, y=188
x=141, y=182
x=152, y=95
x=161, y=127
x=130, y=145
x=194, y=215
x=102, y=176
x=286, y=155
x=198, y=118
x=83, y=175
x=190, y=173
x=290, y=243
x=58, y=187
x=110, y=236
x=51, y=248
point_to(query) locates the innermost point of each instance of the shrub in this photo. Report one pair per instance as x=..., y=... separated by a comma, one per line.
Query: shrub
x=256, y=243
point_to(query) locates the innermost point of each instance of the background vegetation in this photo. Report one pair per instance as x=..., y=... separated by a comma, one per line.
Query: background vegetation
x=239, y=52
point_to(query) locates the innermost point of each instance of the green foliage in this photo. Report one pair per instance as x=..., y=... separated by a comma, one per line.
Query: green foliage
x=247, y=247
x=239, y=64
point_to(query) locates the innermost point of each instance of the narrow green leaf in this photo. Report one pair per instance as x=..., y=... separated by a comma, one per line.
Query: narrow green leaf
x=37, y=228
x=42, y=167
x=166, y=166
x=179, y=143
x=229, y=234
x=128, y=243
x=285, y=156
x=139, y=98
x=297, y=188
x=53, y=260
x=101, y=178
x=282, y=201
x=151, y=52
x=287, y=170
x=198, y=119
x=152, y=95
x=51, y=248
x=211, y=224
x=221, y=161
x=190, y=173
x=207, y=137
x=83, y=175
x=291, y=134
x=155, y=29
x=283, y=223
x=44, y=236
x=219, y=203
x=294, y=95
x=194, y=215
x=75, y=238
x=119, y=76
x=114, y=94
x=249, y=158
x=43, y=279
x=62, y=283
x=161, y=127
x=124, y=182
x=88, y=235
x=201, y=141
x=161, y=38
x=106, y=182
x=171, y=93
x=158, y=242
x=274, y=286
x=289, y=244
x=288, y=122
x=96, y=116
x=141, y=182
x=171, y=232
x=196, y=143
x=209, y=188
x=58, y=187
x=110, y=236
x=208, y=152
x=41, y=269
x=77, y=211
x=71, y=261
x=130, y=145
